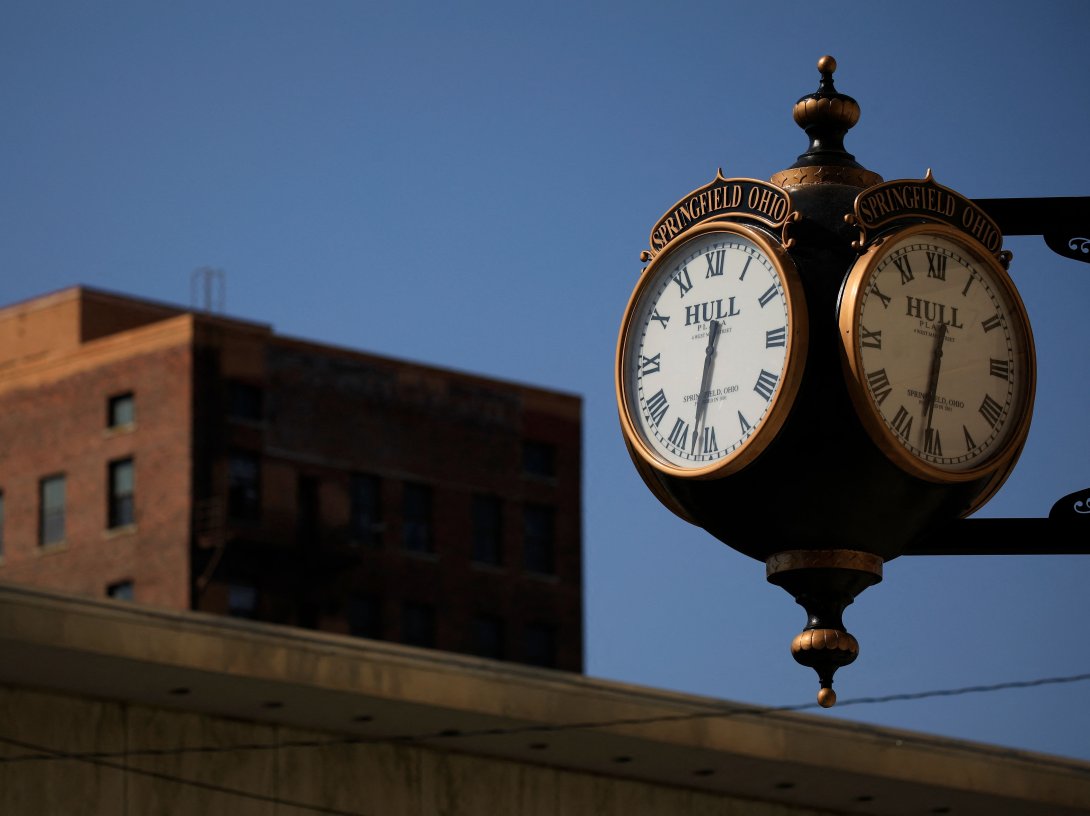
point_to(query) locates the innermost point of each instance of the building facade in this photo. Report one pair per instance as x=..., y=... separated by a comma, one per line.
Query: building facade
x=111, y=708
x=191, y=461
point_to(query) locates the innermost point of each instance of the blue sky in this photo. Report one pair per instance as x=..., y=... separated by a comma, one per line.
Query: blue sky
x=470, y=185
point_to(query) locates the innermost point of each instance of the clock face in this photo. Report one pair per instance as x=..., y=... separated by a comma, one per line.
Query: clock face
x=710, y=353
x=939, y=352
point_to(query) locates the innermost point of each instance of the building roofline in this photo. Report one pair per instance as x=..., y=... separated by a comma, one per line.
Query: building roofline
x=375, y=691
x=205, y=318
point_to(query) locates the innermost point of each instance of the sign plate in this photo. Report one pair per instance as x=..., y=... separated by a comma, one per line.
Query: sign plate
x=725, y=199
x=909, y=201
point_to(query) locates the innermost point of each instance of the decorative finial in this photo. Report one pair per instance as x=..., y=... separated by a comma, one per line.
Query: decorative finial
x=826, y=115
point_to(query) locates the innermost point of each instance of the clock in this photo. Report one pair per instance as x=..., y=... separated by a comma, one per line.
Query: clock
x=938, y=354
x=711, y=351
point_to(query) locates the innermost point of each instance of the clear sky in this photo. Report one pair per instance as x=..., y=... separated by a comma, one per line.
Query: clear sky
x=470, y=185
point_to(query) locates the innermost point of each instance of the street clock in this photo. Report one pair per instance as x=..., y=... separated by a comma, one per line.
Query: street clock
x=822, y=369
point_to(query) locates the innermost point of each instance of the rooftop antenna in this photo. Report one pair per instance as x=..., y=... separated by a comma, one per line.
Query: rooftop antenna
x=208, y=289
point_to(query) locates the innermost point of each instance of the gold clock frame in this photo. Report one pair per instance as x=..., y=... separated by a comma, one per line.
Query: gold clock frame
x=998, y=464
x=794, y=361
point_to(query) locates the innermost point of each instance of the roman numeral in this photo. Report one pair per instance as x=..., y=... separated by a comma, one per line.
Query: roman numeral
x=715, y=263
x=992, y=322
x=776, y=337
x=969, y=443
x=879, y=385
x=680, y=434
x=744, y=425
x=931, y=443
x=936, y=265
x=662, y=319
x=885, y=300
x=767, y=296
x=709, y=440
x=902, y=422
x=968, y=283
x=649, y=365
x=991, y=410
x=904, y=267
x=742, y=277
x=683, y=281
x=766, y=384
x=870, y=339
x=656, y=406
x=1000, y=369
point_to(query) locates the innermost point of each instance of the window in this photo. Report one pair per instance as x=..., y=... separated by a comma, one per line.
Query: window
x=488, y=636
x=51, y=510
x=244, y=487
x=539, y=644
x=366, y=510
x=487, y=530
x=539, y=538
x=120, y=411
x=416, y=529
x=539, y=459
x=365, y=616
x=308, y=508
x=241, y=600
x=121, y=591
x=418, y=624
x=121, y=511
x=245, y=401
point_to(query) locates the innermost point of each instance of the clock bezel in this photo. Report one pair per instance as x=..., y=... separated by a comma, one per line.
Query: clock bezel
x=849, y=318
x=794, y=357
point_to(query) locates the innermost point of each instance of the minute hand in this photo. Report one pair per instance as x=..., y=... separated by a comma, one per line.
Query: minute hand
x=933, y=380
x=706, y=378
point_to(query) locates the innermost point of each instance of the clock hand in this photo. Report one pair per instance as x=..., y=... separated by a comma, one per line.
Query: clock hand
x=705, y=379
x=933, y=379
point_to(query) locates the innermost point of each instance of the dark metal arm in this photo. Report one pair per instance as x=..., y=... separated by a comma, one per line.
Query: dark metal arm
x=1064, y=221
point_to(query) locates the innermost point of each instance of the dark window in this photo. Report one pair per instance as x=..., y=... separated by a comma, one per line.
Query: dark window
x=120, y=411
x=309, y=508
x=539, y=644
x=51, y=510
x=121, y=511
x=418, y=624
x=244, y=487
x=365, y=616
x=487, y=530
x=539, y=538
x=488, y=636
x=416, y=529
x=121, y=591
x=539, y=459
x=241, y=600
x=366, y=512
x=245, y=401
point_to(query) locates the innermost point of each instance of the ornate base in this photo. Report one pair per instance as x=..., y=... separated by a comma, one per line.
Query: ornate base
x=824, y=583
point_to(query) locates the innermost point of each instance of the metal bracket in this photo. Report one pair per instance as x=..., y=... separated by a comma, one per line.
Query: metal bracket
x=1063, y=221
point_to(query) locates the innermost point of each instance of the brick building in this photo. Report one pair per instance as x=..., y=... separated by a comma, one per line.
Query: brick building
x=191, y=461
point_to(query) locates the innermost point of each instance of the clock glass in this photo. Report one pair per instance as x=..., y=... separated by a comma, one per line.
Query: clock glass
x=939, y=352
x=710, y=351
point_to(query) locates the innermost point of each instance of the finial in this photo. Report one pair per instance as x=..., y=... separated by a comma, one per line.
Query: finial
x=826, y=115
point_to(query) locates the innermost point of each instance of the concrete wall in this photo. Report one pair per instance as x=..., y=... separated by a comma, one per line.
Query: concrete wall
x=114, y=777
